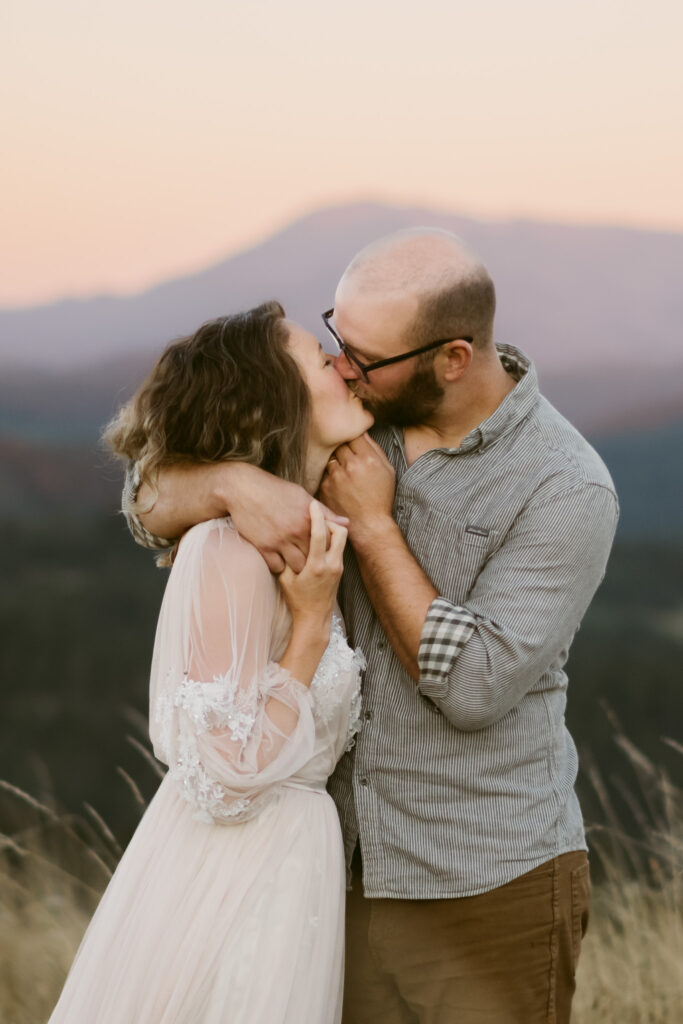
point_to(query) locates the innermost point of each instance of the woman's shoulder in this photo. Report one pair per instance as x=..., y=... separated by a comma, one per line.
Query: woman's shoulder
x=215, y=545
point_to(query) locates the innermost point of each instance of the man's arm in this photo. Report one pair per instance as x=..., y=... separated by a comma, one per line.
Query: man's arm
x=361, y=482
x=527, y=603
x=400, y=592
x=270, y=512
x=477, y=660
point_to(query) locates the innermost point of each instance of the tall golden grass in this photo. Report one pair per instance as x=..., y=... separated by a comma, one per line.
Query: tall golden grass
x=52, y=872
x=631, y=965
x=53, y=869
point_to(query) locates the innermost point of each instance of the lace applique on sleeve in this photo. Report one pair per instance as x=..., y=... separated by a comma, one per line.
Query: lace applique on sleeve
x=231, y=724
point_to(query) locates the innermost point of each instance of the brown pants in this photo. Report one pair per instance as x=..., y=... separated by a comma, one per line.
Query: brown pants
x=507, y=956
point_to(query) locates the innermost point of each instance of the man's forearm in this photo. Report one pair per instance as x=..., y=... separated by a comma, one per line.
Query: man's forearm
x=271, y=513
x=188, y=494
x=399, y=590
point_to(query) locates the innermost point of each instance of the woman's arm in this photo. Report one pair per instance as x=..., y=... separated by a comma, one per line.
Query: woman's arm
x=231, y=722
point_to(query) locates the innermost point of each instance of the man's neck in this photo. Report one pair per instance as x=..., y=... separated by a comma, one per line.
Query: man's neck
x=454, y=420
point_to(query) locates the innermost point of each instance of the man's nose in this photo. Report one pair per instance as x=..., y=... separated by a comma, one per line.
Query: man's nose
x=345, y=368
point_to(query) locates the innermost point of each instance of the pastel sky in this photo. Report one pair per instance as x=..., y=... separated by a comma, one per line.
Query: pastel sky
x=145, y=138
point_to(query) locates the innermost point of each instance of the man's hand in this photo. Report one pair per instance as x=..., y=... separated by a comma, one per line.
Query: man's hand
x=360, y=483
x=275, y=516
x=270, y=512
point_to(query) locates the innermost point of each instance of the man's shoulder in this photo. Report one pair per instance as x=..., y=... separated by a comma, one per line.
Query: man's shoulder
x=570, y=457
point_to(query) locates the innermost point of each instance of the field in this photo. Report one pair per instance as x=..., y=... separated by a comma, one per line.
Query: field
x=78, y=605
x=52, y=870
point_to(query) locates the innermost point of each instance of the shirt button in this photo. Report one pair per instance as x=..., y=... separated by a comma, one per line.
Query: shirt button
x=381, y=644
x=367, y=716
x=364, y=781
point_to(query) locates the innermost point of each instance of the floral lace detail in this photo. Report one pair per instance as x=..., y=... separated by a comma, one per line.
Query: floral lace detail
x=203, y=792
x=221, y=705
x=338, y=659
x=218, y=705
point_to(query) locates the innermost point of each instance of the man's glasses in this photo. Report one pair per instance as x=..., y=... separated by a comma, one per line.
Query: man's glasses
x=365, y=368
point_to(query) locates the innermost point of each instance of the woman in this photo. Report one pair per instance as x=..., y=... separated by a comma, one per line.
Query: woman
x=228, y=903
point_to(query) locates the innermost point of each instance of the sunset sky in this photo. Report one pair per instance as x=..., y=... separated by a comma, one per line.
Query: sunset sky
x=146, y=138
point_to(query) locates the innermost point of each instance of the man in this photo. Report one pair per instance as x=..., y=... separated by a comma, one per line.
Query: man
x=480, y=523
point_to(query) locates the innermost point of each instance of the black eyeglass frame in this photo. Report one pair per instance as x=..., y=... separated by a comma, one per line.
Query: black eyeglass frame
x=366, y=368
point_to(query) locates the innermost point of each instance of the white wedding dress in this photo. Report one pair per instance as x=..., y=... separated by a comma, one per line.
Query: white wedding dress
x=228, y=905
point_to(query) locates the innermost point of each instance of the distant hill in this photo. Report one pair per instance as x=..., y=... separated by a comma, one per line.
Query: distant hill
x=70, y=406
x=574, y=297
x=598, y=308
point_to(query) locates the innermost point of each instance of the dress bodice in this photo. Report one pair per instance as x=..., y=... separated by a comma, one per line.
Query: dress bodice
x=335, y=690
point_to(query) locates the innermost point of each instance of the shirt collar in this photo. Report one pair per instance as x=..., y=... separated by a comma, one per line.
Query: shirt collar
x=516, y=405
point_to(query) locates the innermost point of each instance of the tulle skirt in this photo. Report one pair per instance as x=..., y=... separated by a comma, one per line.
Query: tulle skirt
x=218, y=924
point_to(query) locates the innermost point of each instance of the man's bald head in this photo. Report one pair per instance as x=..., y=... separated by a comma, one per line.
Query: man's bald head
x=452, y=290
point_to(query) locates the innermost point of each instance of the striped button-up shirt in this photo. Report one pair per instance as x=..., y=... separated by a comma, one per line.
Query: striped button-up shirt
x=464, y=781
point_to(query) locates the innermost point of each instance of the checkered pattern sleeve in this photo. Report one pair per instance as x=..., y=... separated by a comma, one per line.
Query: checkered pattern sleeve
x=128, y=498
x=446, y=630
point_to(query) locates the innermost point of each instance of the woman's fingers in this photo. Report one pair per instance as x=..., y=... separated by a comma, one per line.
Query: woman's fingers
x=318, y=545
x=332, y=517
x=338, y=541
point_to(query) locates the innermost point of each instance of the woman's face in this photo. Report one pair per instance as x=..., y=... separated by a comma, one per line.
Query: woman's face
x=337, y=415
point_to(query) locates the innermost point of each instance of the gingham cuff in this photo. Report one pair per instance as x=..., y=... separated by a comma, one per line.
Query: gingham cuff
x=446, y=630
x=140, y=534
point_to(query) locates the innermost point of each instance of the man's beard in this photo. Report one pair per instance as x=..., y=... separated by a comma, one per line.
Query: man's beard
x=414, y=403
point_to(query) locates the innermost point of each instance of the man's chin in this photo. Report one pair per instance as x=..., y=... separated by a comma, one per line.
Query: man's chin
x=413, y=403
x=365, y=398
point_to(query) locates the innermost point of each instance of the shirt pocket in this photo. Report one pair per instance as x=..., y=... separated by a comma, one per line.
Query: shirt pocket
x=456, y=550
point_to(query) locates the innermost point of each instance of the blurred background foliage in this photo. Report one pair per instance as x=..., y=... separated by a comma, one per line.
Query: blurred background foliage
x=78, y=609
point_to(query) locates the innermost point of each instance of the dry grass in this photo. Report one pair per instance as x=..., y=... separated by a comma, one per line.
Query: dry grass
x=631, y=968
x=53, y=869
x=52, y=872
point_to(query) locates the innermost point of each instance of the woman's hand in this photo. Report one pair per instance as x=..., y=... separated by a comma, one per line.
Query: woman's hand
x=310, y=594
x=360, y=483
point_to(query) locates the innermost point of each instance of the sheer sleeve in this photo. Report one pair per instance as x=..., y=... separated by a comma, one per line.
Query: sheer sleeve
x=227, y=719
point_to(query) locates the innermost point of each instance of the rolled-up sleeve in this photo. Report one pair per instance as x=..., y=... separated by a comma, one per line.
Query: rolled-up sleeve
x=446, y=630
x=478, y=659
x=140, y=535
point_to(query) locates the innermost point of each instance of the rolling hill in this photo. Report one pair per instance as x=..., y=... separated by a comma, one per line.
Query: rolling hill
x=571, y=296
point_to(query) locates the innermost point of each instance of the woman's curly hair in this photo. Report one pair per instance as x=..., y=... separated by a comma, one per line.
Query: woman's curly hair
x=229, y=392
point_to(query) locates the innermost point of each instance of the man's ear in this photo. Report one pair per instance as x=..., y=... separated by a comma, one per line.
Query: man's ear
x=458, y=355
